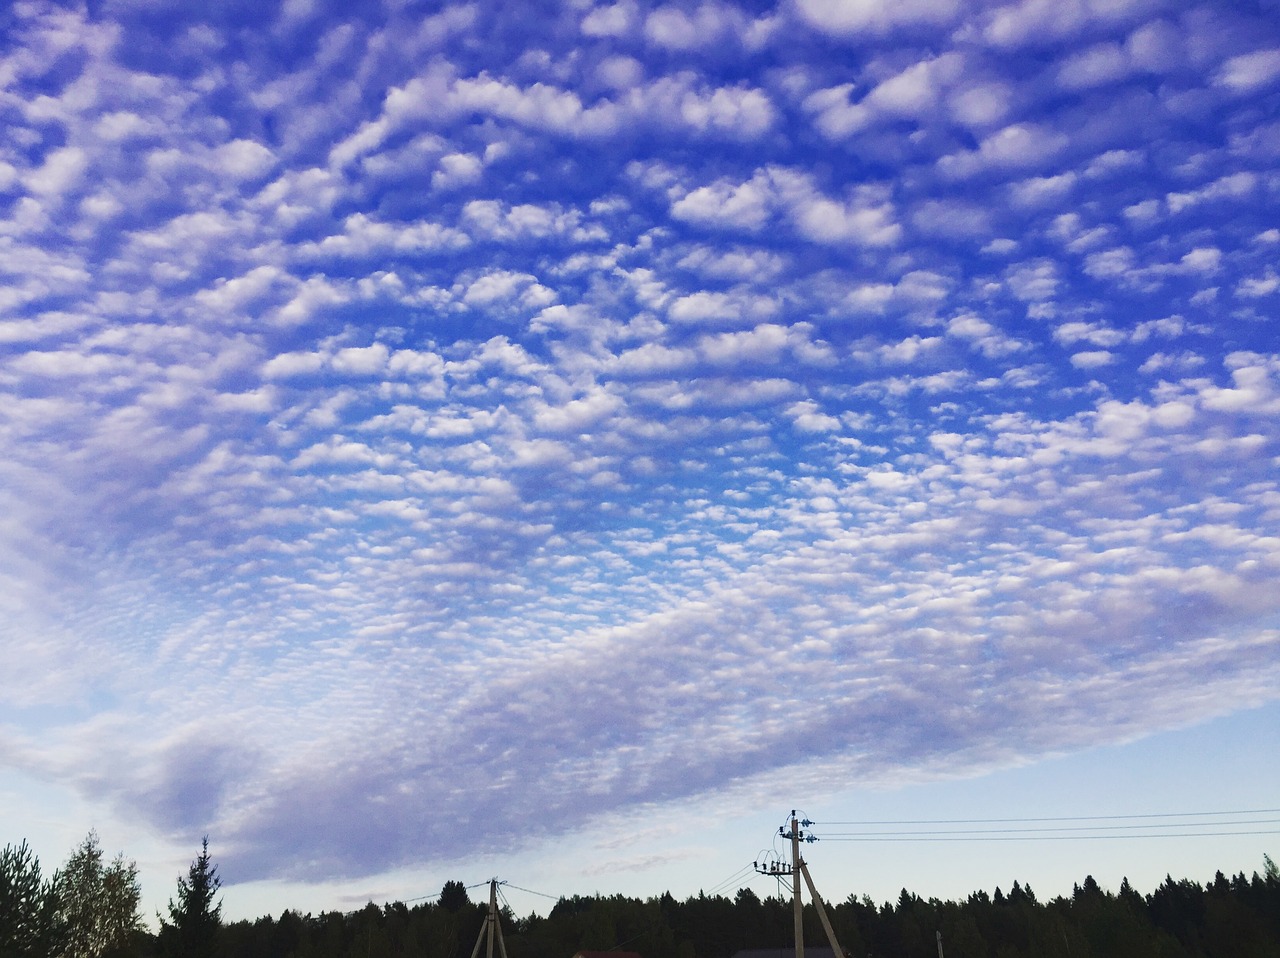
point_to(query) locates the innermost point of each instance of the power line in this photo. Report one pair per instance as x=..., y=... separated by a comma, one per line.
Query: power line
x=1061, y=818
x=1035, y=837
x=1066, y=828
x=732, y=879
x=530, y=891
x=481, y=884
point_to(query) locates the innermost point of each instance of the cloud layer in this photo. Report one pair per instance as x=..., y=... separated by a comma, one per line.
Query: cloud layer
x=413, y=418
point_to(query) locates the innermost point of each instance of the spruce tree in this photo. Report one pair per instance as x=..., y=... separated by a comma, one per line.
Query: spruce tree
x=195, y=918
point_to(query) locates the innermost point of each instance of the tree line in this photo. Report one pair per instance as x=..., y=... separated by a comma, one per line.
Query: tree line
x=89, y=909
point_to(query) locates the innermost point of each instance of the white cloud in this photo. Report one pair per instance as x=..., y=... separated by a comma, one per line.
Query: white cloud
x=614, y=20
x=1033, y=282
x=577, y=415
x=984, y=336
x=1230, y=187
x=741, y=264
x=361, y=360
x=912, y=93
x=1018, y=146
x=740, y=307
x=61, y=170
x=677, y=29
x=364, y=236
x=1250, y=71
x=808, y=417
x=1028, y=22
x=1100, y=64
x=1042, y=190
x=492, y=219
x=1254, y=287
x=621, y=72
x=292, y=364
x=851, y=18
x=1092, y=359
x=244, y=159
x=980, y=105
x=1157, y=46
x=727, y=204
x=865, y=218
x=764, y=344
x=736, y=112
x=457, y=169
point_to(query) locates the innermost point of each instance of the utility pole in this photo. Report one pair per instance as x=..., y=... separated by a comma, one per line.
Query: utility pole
x=796, y=871
x=798, y=907
x=491, y=928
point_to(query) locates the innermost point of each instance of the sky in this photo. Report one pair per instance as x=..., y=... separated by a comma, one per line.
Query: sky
x=552, y=441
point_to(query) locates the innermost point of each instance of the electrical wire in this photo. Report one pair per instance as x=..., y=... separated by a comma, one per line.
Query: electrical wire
x=735, y=877
x=1047, y=838
x=1087, y=827
x=1141, y=826
x=1062, y=818
x=1067, y=828
x=530, y=891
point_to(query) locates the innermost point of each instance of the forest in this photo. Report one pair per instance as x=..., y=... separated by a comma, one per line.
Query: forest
x=96, y=915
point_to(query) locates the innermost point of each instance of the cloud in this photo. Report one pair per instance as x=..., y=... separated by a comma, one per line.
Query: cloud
x=739, y=205
x=613, y=20
x=244, y=159
x=406, y=382
x=1018, y=146
x=716, y=307
x=61, y=170
x=1250, y=71
x=1092, y=359
x=1036, y=22
x=852, y=18
x=913, y=93
x=707, y=25
x=865, y=217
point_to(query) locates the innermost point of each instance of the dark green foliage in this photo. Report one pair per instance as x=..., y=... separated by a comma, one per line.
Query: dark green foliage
x=29, y=923
x=195, y=919
x=454, y=897
x=1231, y=917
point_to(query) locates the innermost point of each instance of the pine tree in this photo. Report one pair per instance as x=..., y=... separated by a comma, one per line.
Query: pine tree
x=195, y=919
x=29, y=926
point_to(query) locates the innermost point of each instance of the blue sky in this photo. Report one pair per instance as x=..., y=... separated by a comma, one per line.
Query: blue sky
x=439, y=439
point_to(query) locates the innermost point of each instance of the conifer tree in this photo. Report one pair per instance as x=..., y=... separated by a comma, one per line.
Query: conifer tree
x=195, y=918
x=29, y=926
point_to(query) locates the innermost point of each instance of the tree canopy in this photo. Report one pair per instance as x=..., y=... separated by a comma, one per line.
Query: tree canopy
x=196, y=917
x=29, y=923
x=1229, y=917
x=98, y=903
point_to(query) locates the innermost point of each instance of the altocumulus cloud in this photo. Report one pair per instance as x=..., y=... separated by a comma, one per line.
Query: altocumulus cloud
x=413, y=418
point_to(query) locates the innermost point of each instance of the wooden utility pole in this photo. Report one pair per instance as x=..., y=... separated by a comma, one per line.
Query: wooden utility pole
x=491, y=928
x=798, y=907
x=822, y=913
x=796, y=871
